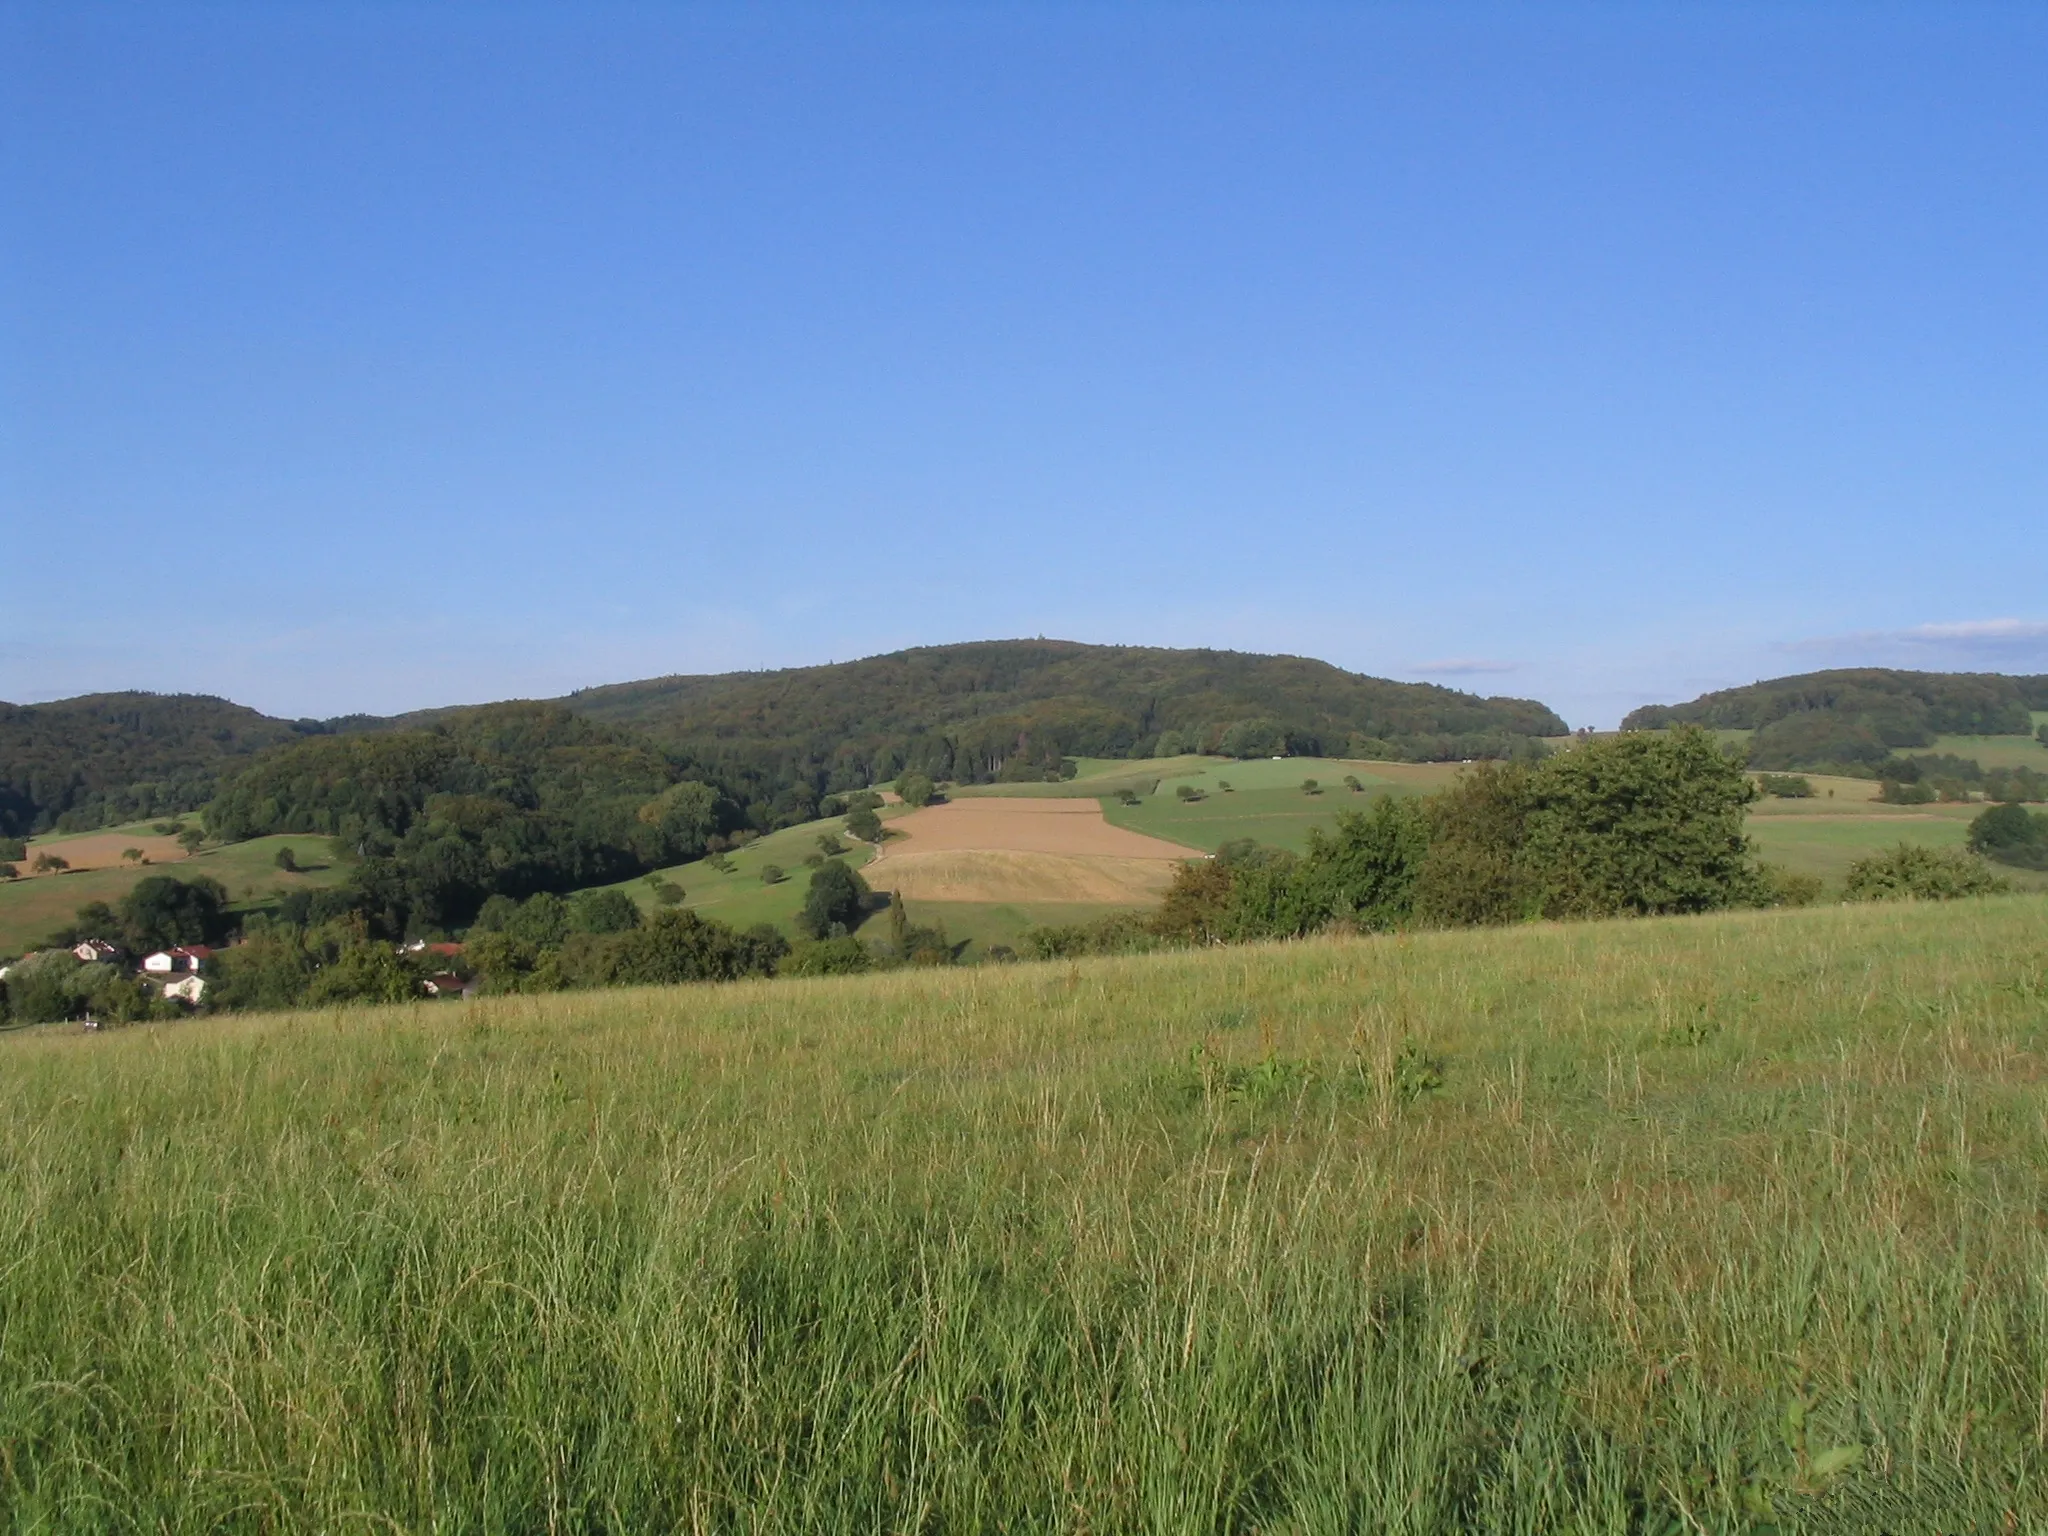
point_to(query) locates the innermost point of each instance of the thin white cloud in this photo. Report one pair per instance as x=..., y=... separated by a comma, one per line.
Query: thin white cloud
x=2005, y=638
x=1978, y=632
x=1463, y=666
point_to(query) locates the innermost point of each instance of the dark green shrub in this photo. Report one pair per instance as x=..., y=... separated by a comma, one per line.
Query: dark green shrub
x=1781, y=887
x=1908, y=873
x=843, y=956
x=1786, y=786
x=1475, y=871
x=2013, y=785
x=834, y=904
x=604, y=911
x=1120, y=933
x=2013, y=835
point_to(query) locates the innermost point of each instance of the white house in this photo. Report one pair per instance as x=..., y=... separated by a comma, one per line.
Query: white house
x=185, y=957
x=93, y=950
x=188, y=989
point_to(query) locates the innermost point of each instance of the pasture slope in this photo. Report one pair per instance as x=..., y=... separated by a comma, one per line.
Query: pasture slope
x=34, y=906
x=1264, y=799
x=1713, y=1224
x=1845, y=821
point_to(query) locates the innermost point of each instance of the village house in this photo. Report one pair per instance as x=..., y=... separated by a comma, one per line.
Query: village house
x=187, y=989
x=185, y=957
x=446, y=984
x=94, y=951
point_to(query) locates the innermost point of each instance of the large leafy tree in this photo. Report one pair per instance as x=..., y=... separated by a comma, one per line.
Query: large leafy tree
x=1641, y=823
x=162, y=911
x=835, y=901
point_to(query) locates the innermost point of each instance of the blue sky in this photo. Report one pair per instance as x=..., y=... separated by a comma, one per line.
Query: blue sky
x=377, y=356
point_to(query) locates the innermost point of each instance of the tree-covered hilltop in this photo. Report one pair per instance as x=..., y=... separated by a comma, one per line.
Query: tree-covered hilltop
x=1003, y=709
x=111, y=757
x=1857, y=717
x=503, y=799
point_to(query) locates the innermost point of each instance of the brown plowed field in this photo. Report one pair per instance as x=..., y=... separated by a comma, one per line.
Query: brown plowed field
x=1021, y=850
x=102, y=850
x=967, y=874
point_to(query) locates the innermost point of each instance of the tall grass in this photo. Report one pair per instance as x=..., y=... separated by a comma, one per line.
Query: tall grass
x=1706, y=1224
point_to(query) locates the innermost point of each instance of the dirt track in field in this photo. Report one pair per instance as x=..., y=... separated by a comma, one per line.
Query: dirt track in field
x=1021, y=850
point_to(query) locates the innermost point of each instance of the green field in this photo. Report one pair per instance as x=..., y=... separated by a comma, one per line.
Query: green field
x=1710, y=1224
x=1265, y=800
x=739, y=896
x=1994, y=751
x=30, y=909
x=1842, y=823
x=1094, y=776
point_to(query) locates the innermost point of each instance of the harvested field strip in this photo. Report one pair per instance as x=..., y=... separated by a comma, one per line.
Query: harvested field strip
x=1057, y=826
x=998, y=875
x=101, y=850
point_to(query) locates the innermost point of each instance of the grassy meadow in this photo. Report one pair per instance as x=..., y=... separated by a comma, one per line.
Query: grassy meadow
x=1845, y=821
x=1693, y=1225
x=1265, y=800
x=1093, y=777
x=738, y=895
x=1997, y=751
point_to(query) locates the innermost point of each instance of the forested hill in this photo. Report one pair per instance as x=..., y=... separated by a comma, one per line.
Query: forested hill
x=111, y=757
x=773, y=742
x=1012, y=708
x=1858, y=715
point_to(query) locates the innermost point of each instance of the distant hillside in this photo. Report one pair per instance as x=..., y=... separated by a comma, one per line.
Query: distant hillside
x=1857, y=716
x=775, y=741
x=111, y=757
x=1002, y=709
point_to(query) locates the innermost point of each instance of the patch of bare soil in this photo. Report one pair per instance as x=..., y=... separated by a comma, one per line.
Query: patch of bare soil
x=101, y=850
x=1028, y=850
x=1019, y=825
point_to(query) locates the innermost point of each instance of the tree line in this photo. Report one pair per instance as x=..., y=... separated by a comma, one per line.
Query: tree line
x=1862, y=721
